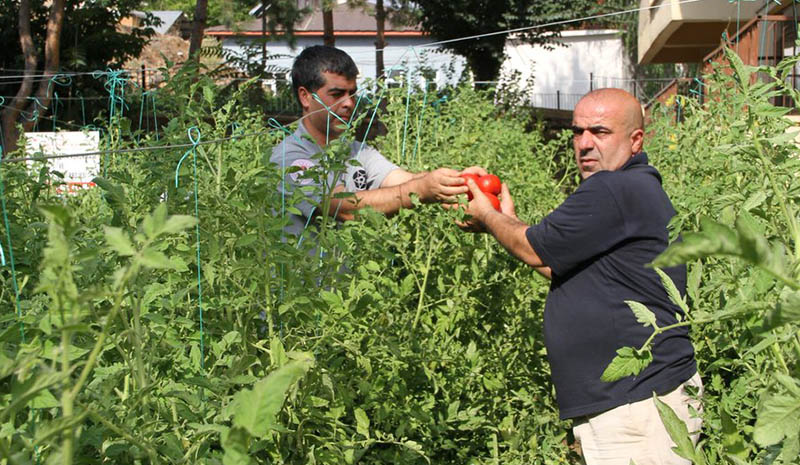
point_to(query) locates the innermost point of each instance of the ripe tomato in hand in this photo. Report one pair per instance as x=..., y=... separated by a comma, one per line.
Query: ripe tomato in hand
x=494, y=201
x=490, y=184
x=475, y=178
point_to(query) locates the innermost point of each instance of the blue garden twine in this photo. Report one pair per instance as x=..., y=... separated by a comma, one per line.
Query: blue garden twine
x=194, y=138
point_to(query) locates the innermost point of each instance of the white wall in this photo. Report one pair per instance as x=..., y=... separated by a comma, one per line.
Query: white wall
x=586, y=59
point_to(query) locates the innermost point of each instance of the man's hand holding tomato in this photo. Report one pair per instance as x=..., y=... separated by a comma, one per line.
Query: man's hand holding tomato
x=481, y=206
x=484, y=203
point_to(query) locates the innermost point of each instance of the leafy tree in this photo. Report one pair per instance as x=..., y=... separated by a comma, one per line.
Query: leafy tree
x=70, y=36
x=447, y=20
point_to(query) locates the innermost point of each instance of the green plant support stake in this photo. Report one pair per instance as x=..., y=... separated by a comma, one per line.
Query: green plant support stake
x=10, y=252
x=194, y=138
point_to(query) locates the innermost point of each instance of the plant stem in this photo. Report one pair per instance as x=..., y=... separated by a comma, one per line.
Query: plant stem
x=779, y=192
x=150, y=452
x=424, y=285
x=777, y=351
x=67, y=400
x=663, y=329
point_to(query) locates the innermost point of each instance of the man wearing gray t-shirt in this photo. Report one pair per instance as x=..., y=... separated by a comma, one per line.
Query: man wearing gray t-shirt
x=324, y=82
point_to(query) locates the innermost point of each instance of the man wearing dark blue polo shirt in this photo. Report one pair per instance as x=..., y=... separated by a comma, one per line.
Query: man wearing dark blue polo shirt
x=595, y=248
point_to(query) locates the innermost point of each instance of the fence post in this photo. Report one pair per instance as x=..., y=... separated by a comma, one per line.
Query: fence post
x=558, y=100
x=144, y=81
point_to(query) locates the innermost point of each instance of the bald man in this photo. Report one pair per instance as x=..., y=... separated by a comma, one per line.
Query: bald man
x=595, y=248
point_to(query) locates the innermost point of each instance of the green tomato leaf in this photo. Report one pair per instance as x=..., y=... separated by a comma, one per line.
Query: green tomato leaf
x=362, y=422
x=754, y=201
x=712, y=239
x=628, y=362
x=778, y=416
x=786, y=311
x=44, y=399
x=256, y=410
x=677, y=431
x=177, y=223
x=643, y=314
x=732, y=440
x=154, y=222
x=753, y=245
x=236, y=443
x=119, y=242
x=672, y=291
x=155, y=259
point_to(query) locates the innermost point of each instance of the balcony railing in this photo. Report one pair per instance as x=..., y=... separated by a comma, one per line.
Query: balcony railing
x=764, y=40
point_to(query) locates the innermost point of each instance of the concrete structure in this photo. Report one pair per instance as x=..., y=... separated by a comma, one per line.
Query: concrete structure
x=762, y=38
x=683, y=31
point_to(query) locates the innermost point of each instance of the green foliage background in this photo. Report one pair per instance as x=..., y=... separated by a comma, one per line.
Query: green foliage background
x=410, y=341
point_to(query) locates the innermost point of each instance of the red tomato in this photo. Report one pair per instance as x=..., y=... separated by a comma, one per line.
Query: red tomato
x=494, y=200
x=489, y=184
x=475, y=178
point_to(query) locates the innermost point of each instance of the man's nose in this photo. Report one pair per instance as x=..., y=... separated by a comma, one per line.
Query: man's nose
x=347, y=102
x=584, y=141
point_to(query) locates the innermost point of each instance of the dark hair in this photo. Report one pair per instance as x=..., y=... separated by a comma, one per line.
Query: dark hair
x=315, y=60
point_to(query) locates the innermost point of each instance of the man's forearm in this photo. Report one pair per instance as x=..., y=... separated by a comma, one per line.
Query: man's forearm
x=510, y=233
x=387, y=200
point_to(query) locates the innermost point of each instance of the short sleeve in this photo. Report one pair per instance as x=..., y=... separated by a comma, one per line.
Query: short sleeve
x=586, y=225
x=374, y=163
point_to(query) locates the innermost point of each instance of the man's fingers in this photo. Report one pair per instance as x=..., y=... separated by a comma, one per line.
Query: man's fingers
x=479, y=170
x=453, y=181
x=474, y=188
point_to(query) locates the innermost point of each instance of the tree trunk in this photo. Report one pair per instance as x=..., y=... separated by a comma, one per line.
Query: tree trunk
x=198, y=27
x=44, y=93
x=380, y=42
x=327, y=25
x=263, y=38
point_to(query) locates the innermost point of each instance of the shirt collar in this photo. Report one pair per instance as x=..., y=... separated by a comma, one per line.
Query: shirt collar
x=637, y=159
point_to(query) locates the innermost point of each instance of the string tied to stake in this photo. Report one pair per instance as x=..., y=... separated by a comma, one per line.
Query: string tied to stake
x=63, y=80
x=273, y=123
x=194, y=137
x=116, y=80
x=328, y=109
x=143, y=109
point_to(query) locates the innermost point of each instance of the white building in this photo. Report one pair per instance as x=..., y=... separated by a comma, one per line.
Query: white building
x=557, y=76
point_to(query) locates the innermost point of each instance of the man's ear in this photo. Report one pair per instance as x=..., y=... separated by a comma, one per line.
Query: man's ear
x=305, y=96
x=637, y=140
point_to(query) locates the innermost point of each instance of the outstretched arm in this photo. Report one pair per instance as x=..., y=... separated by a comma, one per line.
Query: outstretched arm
x=441, y=185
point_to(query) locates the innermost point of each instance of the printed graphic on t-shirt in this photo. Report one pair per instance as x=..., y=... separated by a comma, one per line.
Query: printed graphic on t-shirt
x=360, y=179
x=303, y=164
